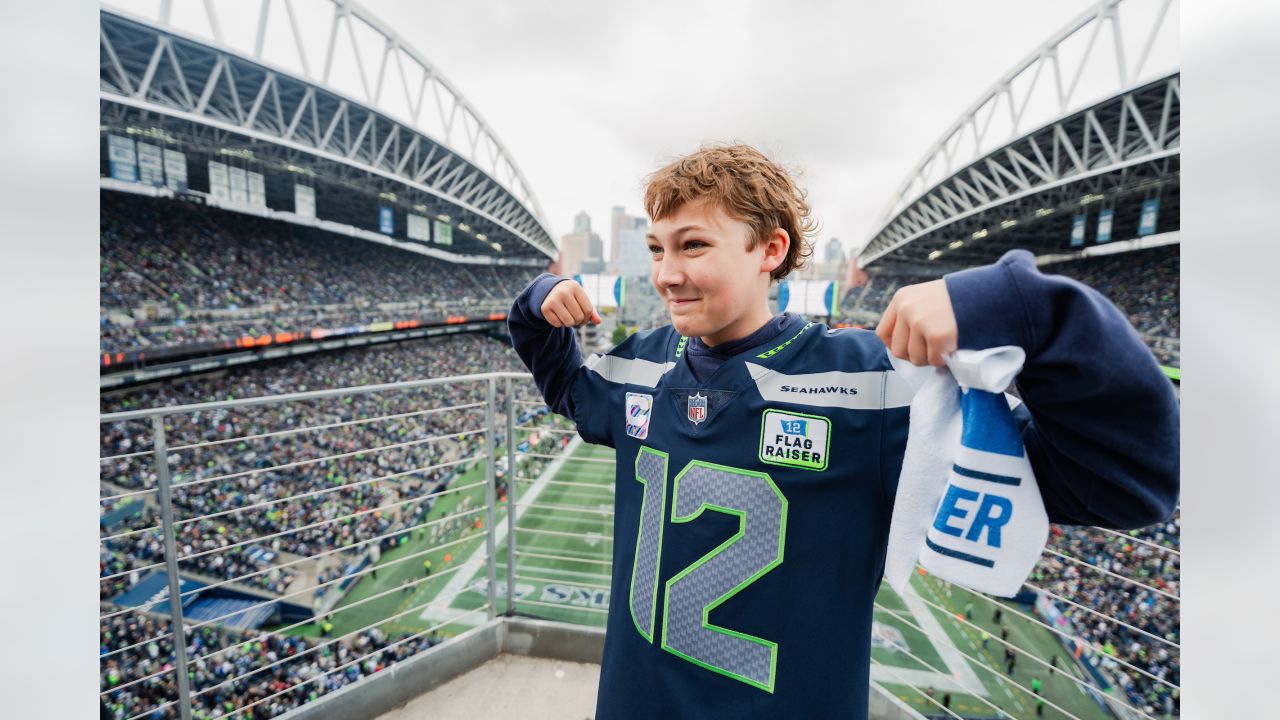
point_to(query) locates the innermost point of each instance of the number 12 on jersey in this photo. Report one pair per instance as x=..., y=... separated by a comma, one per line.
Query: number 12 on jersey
x=691, y=594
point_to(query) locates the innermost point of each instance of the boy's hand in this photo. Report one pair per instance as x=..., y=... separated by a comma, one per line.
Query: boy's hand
x=919, y=324
x=567, y=305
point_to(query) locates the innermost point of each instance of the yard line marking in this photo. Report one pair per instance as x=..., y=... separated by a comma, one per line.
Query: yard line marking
x=477, y=559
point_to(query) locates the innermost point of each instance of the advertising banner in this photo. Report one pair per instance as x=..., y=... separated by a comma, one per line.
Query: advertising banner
x=1147, y=218
x=219, y=182
x=123, y=161
x=1077, y=231
x=419, y=228
x=304, y=200
x=257, y=190
x=386, y=221
x=1104, y=226
x=150, y=165
x=175, y=170
x=444, y=233
x=239, y=185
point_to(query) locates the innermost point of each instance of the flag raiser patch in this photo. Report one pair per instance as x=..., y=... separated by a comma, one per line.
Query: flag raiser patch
x=795, y=440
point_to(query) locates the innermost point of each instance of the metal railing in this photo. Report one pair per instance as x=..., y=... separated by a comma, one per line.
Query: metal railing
x=261, y=553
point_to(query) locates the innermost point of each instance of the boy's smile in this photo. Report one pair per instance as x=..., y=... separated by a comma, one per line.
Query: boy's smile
x=713, y=286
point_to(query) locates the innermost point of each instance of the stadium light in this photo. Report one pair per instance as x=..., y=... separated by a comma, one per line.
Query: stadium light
x=442, y=217
x=956, y=244
x=464, y=227
x=390, y=196
x=1085, y=200
x=420, y=208
x=236, y=152
x=980, y=234
x=1006, y=224
x=935, y=254
x=1044, y=212
x=481, y=237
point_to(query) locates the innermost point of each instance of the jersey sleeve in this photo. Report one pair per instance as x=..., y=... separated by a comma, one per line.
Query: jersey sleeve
x=1100, y=421
x=552, y=355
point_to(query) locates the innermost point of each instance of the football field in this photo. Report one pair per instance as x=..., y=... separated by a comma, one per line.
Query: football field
x=924, y=639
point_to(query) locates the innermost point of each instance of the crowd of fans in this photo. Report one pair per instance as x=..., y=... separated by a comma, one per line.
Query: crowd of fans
x=1131, y=556
x=251, y=456
x=1143, y=284
x=231, y=670
x=174, y=274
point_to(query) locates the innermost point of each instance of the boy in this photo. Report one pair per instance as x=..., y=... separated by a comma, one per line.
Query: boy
x=758, y=455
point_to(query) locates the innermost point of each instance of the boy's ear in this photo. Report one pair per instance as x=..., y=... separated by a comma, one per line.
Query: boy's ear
x=775, y=250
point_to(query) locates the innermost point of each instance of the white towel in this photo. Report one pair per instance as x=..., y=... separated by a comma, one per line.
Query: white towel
x=967, y=508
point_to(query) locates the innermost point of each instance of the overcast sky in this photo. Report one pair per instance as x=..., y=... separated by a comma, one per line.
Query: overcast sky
x=591, y=95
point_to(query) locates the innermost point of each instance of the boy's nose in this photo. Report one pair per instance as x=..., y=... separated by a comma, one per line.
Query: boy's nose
x=668, y=274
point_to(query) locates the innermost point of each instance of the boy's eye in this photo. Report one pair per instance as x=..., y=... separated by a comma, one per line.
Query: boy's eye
x=694, y=245
x=655, y=249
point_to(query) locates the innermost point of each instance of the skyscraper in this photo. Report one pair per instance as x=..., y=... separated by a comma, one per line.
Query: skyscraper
x=621, y=222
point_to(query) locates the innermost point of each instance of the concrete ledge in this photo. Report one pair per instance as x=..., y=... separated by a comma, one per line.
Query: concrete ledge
x=404, y=681
x=553, y=640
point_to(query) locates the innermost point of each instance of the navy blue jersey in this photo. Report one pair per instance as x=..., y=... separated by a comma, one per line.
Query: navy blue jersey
x=752, y=508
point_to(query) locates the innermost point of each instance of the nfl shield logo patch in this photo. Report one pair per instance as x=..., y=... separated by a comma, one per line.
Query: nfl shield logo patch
x=639, y=411
x=697, y=408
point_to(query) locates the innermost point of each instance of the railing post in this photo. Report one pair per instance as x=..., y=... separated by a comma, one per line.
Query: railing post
x=511, y=501
x=490, y=493
x=171, y=567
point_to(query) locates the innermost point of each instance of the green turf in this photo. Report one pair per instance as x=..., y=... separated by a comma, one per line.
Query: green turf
x=572, y=587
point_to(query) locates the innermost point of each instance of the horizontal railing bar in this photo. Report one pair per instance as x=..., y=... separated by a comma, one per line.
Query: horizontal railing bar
x=561, y=534
x=570, y=508
x=361, y=573
x=601, y=611
x=974, y=661
x=330, y=426
x=1131, y=581
x=322, y=491
x=348, y=634
x=1029, y=654
x=312, y=461
x=565, y=558
x=529, y=428
x=282, y=533
x=131, y=493
x=349, y=663
x=1105, y=616
x=331, y=551
x=578, y=583
x=600, y=461
x=905, y=683
x=308, y=395
x=569, y=483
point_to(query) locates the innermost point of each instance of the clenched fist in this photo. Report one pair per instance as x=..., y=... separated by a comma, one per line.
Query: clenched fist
x=567, y=305
x=919, y=324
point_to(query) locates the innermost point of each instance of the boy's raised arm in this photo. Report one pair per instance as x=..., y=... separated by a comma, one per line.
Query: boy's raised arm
x=551, y=353
x=1101, y=419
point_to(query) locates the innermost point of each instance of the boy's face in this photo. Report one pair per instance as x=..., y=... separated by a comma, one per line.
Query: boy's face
x=713, y=286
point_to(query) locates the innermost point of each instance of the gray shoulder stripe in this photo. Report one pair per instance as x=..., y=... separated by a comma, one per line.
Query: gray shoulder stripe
x=635, y=371
x=867, y=390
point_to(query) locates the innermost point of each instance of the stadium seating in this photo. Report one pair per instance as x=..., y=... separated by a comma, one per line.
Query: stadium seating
x=174, y=274
x=1143, y=284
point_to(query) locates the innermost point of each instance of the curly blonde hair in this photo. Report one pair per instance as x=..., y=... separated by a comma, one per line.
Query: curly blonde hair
x=747, y=186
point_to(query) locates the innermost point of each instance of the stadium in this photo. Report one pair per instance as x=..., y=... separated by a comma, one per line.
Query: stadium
x=329, y=487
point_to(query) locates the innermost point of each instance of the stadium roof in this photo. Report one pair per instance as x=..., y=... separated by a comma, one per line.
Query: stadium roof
x=350, y=93
x=1033, y=151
